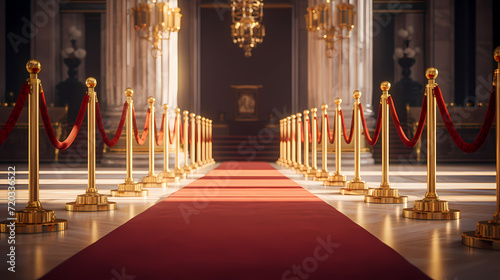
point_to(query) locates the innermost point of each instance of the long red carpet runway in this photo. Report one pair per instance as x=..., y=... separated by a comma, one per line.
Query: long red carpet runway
x=241, y=221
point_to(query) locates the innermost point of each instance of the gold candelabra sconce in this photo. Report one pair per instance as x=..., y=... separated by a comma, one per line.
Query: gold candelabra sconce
x=331, y=23
x=154, y=22
x=247, y=29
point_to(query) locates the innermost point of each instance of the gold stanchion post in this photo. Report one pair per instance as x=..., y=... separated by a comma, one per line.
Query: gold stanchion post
x=91, y=200
x=385, y=194
x=203, y=142
x=323, y=174
x=187, y=168
x=130, y=187
x=337, y=179
x=294, y=143
x=487, y=234
x=356, y=186
x=289, y=142
x=34, y=218
x=199, y=160
x=305, y=167
x=166, y=175
x=210, y=144
x=152, y=180
x=280, y=158
x=178, y=171
x=298, y=118
x=314, y=144
x=194, y=165
x=431, y=207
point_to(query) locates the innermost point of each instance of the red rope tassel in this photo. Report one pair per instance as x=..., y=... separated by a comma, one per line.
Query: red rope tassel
x=50, y=130
x=15, y=113
x=371, y=141
x=347, y=139
x=142, y=139
x=421, y=122
x=100, y=126
x=159, y=136
x=485, y=128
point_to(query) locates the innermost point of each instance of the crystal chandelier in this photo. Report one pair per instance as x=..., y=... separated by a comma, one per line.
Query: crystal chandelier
x=319, y=20
x=155, y=21
x=247, y=30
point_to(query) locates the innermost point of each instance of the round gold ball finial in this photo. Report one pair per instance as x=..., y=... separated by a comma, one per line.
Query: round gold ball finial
x=129, y=92
x=324, y=107
x=192, y=115
x=288, y=118
x=198, y=117
x=177, y=110
x=385, y=86
x=165, y=106
x=151, y=100
x=431, y=73
x=33, y=66
x=91, y=82
x=314, y=110
x=299, y=115
x=185, y=113
x=356, y=94
x=306, y=112
x=496, y=54
x=338, y=101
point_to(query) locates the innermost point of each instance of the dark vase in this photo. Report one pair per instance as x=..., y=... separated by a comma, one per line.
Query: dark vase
x=407, y=91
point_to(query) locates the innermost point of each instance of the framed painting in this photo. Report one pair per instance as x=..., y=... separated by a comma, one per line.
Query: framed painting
x=246, y=102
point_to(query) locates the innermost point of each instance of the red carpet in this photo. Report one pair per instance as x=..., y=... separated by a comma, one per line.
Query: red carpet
x=240, y=221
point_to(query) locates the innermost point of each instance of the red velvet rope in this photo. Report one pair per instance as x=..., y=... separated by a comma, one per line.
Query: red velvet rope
x=347, y=139
x=301, y=131
x=171, y=133
x=371, y=141
x=421, y=122
x=15, y=113
x=159, y=136
x=331, y=136
x=50, y=130
x=309, y=130
x=182, y=132
x=319, y=131
x=142, y=139
x=485, y=128
x=100, y=126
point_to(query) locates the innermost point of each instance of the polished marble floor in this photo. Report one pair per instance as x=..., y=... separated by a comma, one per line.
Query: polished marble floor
x=433, y=246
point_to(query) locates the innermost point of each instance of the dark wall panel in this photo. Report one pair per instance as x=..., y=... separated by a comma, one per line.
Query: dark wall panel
x=223, y=63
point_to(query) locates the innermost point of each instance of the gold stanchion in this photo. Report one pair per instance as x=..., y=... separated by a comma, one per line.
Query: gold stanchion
x=294, y=143
x=487, y=234
x=152, y=180
x=203, y=142
x=130, y=187
x=305, y=167
x=337, y=179
x=356, y=186
x=91, y=200
x=298, y=118
x=166, y=175
x=323, y=174
x=210, y=144
x=178, y=171
x=199, y=159
x=194, y=165
x=34, y=218
x=187, y=168
x=385, y=194
x=431, y=207
x=289, y=142
x=280, y=158
x=314, y=143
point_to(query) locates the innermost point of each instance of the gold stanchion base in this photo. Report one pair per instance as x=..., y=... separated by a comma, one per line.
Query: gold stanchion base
x=90, y=202
x=303, y=169
x=431, y=209
x=321, y=175
x=278, y=162
x=386, y=196
x=180, y=173
x=168, y=177
x=188, y=170
x=311, y=173
x=35, y=220
x=131, y=189
x=153, y=181
x=356, y=188
x=486, y=236
x=335, y=181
